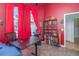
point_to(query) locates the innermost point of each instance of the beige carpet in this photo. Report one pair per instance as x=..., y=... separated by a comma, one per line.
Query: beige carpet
x=47, y=50
x=73, y=46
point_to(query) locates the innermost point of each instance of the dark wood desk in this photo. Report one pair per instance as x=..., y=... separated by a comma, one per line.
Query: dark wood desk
x=27, y=43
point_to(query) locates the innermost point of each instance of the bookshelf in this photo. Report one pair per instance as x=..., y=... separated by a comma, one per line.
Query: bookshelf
x=50, y=31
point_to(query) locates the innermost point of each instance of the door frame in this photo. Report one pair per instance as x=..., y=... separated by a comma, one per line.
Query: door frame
x=65, y=26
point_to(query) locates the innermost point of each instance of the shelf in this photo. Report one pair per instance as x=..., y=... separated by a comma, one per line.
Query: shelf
x=50, y=29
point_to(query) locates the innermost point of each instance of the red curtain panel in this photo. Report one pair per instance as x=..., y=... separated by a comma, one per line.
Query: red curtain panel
x=9, y=17
x=24, y=24
x=28, y=24
x=20, y=20
x=9, y=25
x=24, y=28
x=35, y=15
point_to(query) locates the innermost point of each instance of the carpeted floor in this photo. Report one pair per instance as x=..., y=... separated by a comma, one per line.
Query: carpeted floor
x=73, y=46
x=47, y=50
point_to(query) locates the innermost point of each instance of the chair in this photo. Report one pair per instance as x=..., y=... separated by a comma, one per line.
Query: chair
x=11, y=36
x=11, y=39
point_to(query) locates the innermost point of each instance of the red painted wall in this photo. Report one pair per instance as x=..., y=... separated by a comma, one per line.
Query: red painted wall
x=2, y=17
x=41, y=9
x=58, y=10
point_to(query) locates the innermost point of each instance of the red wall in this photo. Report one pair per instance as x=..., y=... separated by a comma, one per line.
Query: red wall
x=41, y=11
x=2, y=17
x=58, y=10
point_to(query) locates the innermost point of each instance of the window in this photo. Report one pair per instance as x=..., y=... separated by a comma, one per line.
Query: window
x=16, y=20
x=33, y=25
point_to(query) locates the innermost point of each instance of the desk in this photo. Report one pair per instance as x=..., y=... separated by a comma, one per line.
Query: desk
x=28, y=42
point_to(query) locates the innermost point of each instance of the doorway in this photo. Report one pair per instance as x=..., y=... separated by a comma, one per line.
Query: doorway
x=71, y=30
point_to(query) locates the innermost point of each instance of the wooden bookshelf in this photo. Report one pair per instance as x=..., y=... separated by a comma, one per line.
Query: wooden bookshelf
x=50, y=30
